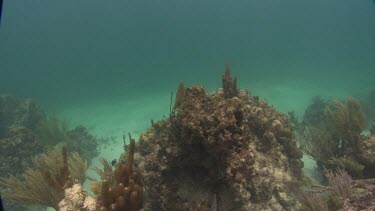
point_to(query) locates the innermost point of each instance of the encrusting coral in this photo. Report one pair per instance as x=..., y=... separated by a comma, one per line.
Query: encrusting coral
x=226, y=151
x=122, y=188
x=45, y=183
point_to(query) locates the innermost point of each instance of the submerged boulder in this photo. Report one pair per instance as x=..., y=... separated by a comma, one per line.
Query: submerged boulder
x=219, y=152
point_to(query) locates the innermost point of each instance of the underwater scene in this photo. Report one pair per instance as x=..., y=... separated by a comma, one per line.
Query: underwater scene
x=175, y=105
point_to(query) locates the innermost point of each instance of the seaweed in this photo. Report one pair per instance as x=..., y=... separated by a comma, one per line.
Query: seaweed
x=45, y=183
x=334, y=139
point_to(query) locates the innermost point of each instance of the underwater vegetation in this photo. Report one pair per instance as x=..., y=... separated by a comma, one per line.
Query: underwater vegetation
x=226, y=150
x=120, y=189
x=26, y=131
x=52, y=131
x=44, y=184
x=332, y=137
x=220, y=151
x=341, y=193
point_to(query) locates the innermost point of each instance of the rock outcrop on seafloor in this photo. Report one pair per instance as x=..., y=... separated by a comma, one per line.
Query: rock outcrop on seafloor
x=77, y=199
x=221, y=151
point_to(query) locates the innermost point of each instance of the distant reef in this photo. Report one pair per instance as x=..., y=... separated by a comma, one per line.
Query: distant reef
x=222, y=151
x=26, y=131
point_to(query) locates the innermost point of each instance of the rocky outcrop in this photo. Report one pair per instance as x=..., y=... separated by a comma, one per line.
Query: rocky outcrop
x=219, y=152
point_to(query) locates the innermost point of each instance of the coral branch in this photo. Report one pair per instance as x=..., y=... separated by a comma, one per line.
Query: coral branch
x=229, y=84
x=126, y=192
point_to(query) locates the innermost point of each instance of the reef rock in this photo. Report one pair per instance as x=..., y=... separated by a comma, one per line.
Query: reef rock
x=217, y=152
x=15, y=112
x=76, y=199
x=18, y=143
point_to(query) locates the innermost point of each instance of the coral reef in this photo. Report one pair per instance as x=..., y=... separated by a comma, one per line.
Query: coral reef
x=229, y=84
x=26, y=131
x=368, y=105
x=82, y=142
x=341, y=193
x=18, y=120
x=77, y=199
x=334, y=138
x=180, y=95
x=224, y=151
x=122, y=188
x=16, y=112
x=45, y=183
x=51, y=131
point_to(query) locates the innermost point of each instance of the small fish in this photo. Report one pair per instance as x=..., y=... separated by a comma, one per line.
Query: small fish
x=113, y=162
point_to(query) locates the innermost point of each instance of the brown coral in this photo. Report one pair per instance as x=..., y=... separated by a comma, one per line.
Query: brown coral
x=234, y=154
x=125, y=192
x=335, y=141
x=229, y=84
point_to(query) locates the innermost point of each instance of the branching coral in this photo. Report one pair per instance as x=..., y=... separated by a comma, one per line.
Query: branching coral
x=319, y=144
x=347, y=121
x=350, y=165
x=45, y=183
x=334, y=140
x=180, y=96
x=125, y=192
x=229, y=84
x=341, y=193
x=311, y=201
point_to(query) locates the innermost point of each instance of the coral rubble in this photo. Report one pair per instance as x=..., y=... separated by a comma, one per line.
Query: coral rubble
x=226, y=150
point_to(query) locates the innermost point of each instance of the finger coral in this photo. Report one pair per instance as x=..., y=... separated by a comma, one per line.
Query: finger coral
x=125, y=192
x=229, y=84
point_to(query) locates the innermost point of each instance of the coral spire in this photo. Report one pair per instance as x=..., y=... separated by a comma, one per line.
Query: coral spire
x=229, y=84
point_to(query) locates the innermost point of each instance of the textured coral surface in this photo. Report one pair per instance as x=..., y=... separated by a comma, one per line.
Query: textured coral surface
x=222, y=152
